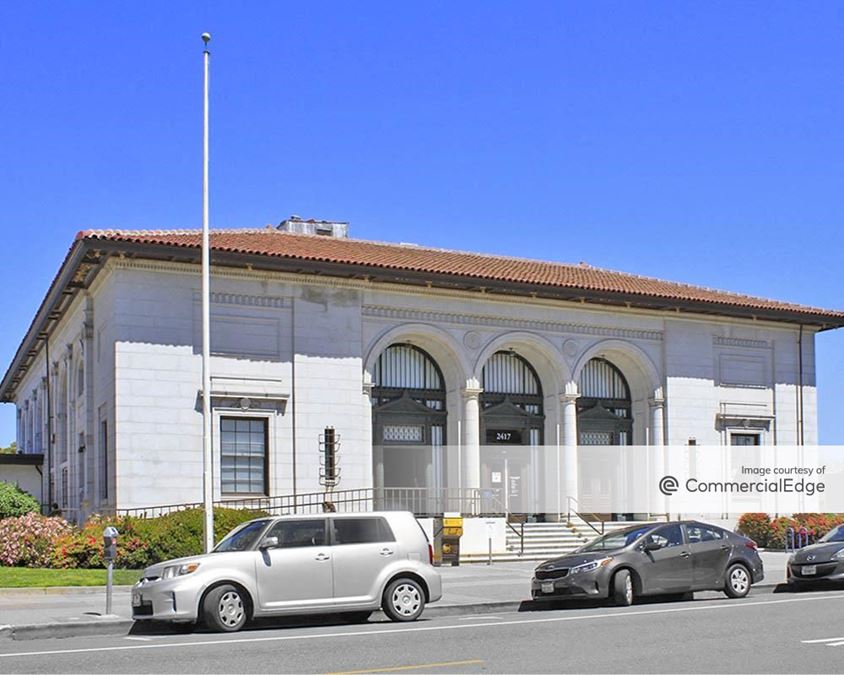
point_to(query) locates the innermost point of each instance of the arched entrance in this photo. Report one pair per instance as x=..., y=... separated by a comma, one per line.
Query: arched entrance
x=604, y=418
x=512, y=428
x=408, y=422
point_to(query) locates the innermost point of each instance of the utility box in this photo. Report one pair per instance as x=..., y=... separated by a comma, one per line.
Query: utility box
x=452, y=530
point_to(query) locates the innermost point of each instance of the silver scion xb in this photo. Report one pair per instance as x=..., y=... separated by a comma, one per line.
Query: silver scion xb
x=351, y=563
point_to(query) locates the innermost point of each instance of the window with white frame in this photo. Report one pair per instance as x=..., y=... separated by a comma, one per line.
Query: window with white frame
x=243, y=455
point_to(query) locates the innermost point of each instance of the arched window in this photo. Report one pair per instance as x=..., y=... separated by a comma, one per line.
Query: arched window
x=603, y=409
x=511, y=402
x=408, y=418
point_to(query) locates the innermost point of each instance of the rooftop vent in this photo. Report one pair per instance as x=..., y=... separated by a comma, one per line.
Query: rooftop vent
x=325, y=228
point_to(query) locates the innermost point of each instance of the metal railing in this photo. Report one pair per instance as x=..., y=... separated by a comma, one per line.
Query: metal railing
x=582, y=516
x=797, y=538
x=423, y=502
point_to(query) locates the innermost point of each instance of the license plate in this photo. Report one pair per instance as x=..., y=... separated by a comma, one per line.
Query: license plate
x=136, y=599
x=809, y=570
x=548, y=587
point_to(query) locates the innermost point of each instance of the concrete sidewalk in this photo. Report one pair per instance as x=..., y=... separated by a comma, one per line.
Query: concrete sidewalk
x=475, y=588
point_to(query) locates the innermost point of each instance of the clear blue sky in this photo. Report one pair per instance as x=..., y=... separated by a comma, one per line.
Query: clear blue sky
x=700, y=142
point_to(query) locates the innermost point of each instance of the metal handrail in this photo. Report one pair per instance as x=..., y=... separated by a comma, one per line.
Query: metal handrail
x=582, y=516
x=520, y=533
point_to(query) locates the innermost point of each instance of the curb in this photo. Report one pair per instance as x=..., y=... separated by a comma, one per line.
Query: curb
x=108, y=626
x=65, y=629
x=57, y=590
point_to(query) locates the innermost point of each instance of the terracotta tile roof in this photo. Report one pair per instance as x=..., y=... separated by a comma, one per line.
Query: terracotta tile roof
x=469, y=266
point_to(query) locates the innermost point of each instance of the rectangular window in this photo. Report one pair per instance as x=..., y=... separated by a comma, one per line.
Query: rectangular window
x=64, y=487
x=103, y=460
x=243, y=455
x=361, y=531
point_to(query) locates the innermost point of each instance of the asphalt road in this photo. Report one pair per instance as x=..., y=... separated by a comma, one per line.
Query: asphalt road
x=764, y=633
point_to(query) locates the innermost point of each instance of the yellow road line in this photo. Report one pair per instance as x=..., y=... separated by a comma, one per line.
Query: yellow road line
x=395, y=669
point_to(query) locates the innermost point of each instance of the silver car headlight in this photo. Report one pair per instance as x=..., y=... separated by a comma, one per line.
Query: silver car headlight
x=591, y=566
x=179, y=570
x=839, y=555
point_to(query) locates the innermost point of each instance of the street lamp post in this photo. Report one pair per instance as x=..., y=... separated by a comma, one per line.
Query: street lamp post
x=207, y=457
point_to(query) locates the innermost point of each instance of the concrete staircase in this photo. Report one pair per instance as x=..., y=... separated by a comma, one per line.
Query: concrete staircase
x=545, y=540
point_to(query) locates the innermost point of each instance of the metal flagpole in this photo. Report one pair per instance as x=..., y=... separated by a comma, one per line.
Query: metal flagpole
x=207, y=457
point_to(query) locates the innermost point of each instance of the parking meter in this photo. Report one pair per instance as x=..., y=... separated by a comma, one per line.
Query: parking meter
x=109, y=554
x=110, y=543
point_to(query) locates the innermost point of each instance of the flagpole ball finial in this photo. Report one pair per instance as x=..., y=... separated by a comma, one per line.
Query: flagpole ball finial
x=206, y=38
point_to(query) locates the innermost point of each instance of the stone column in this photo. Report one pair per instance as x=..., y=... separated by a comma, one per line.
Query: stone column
x=471, y=437
x=375, y=447
x=657, y=438
x=570, y=485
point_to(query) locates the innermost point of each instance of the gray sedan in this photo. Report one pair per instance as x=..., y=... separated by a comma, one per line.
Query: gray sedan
x=820, y=562
x=653, y=559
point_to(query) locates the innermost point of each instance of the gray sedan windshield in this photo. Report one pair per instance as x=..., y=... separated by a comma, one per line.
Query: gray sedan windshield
x=835, y=535
x=242, y=538
x=616, y=540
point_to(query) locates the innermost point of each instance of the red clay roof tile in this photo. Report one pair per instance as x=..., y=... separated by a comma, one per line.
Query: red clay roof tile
x=439, y=262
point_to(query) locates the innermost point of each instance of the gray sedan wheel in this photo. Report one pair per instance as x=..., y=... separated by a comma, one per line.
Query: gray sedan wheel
x=737, y=583
x=403, y=600
x=224, y=609
x=622, y=588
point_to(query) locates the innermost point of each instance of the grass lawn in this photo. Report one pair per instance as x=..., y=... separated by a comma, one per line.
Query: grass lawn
x=24, y=577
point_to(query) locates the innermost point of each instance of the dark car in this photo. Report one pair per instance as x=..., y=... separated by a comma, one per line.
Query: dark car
x=653, y=559
x=820, y=562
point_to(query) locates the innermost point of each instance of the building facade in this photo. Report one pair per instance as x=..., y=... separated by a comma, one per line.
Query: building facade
x=422, y=360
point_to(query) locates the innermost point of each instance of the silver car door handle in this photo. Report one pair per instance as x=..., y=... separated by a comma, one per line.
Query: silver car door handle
x=322, y=556
x=386, y=551
x=725, y=548
x=685, y=554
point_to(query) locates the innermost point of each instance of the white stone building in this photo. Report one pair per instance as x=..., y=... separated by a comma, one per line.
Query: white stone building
x=421, y=359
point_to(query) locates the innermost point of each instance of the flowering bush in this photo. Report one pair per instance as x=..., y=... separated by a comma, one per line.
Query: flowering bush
x=38, y=541
x=27, y=541
x=819, y=524
x=84, y=547
x=757, y=526
x=773, y=533
x=16, y=502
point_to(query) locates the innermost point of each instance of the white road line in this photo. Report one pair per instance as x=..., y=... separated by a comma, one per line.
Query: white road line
x=422, y=628
x=835, y=644
x=812, y=642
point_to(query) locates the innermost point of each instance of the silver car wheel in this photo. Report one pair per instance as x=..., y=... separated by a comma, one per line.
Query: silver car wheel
x=406, y=599
x=628, y=590
x=230, y=609
x=739, y=580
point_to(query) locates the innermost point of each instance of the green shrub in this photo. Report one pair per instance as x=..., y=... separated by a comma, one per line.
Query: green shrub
x=143, y=541
x=757, y=526
x=180, y=534
x=15, y=502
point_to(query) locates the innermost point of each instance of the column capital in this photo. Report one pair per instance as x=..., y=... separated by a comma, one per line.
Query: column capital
x=656, y=402
x=366, y=388
x=472, y=392
x=570, y=392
